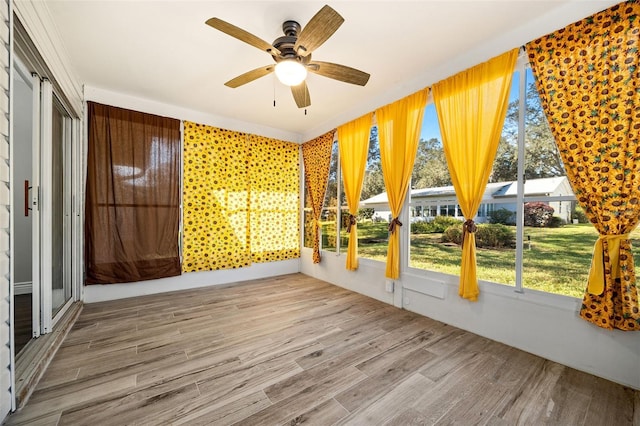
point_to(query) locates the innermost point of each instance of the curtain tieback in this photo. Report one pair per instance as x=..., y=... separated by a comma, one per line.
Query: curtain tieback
x=392, y=225
x=469, y=226
x=597, y=276
x=352, y=222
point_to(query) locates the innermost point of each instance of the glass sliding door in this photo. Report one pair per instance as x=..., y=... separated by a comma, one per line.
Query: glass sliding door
x=60, y=207
x=25, y=214
x=42, y=170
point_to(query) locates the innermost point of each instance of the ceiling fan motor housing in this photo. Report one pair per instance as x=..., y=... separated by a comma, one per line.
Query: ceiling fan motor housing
x=291, y=28
x=286, y=43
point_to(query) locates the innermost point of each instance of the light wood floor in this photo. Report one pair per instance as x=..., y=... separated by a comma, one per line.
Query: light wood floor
x=294, y=350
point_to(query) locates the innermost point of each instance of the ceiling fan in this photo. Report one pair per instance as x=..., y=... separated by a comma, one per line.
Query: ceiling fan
x=292, y=54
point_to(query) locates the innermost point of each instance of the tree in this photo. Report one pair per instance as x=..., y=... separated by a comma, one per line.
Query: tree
x=330, y=197
x=374, y=147
x=430, y=168
x=505, y=166
x=373, y=183
x=542, y=157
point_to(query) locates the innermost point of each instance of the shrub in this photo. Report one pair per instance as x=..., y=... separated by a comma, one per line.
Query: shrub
x=487, y=236
x=502, y=216
x=453, y=234
x=495, y=235
x=441, y=223
x=537, y=214
x=556, y=222
x=420, y=228
x=438, y=224
x=578, y=213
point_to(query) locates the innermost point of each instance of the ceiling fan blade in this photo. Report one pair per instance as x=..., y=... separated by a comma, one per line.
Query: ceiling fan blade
x=318, y=30
x=248, y=77
x=301, y=95
x=339, y=72
x=242, y=35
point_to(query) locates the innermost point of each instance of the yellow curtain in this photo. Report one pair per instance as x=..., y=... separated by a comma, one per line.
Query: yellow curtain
x=471, y=107
x=587, y=77
x=274, y=199
x=353, y=143
x=316, y=155
x=215, y=198
x=399, y=129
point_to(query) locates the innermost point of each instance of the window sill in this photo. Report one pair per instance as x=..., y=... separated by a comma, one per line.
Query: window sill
x=559, y=301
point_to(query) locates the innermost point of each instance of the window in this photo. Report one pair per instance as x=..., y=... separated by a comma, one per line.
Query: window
x=555, y=253
x=374, y=214
x=329, y=215
x=373, y=217
x=552, y=233
x=431, y=189
x=434, y=243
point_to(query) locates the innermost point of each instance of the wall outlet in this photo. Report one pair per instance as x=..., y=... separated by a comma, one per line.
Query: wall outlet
x=388, y=286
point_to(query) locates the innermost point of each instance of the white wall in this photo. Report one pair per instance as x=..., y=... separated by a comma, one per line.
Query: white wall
x=544, y=324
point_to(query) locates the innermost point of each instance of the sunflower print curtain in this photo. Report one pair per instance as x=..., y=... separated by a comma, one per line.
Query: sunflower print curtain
x=240, y=197
x=274, y=199
x=588, y=78
x=215, y=199
x=316, y=155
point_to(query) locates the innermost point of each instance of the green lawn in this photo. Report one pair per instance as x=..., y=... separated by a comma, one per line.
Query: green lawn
x=557, y=260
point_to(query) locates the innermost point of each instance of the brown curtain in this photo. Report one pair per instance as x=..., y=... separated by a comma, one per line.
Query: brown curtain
x=132, y=210
x=588, y=78
x=316, y=155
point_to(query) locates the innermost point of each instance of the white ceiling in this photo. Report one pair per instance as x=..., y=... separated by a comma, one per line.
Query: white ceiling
x=163, y=51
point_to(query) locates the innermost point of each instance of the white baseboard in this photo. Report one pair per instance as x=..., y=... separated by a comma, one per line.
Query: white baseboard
x=22, y=288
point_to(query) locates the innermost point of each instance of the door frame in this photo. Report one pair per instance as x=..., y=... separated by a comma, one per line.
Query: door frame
x=68, y=184
x=46, y=250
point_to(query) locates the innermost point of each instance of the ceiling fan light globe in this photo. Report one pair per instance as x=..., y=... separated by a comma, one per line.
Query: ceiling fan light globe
x=290, y=72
